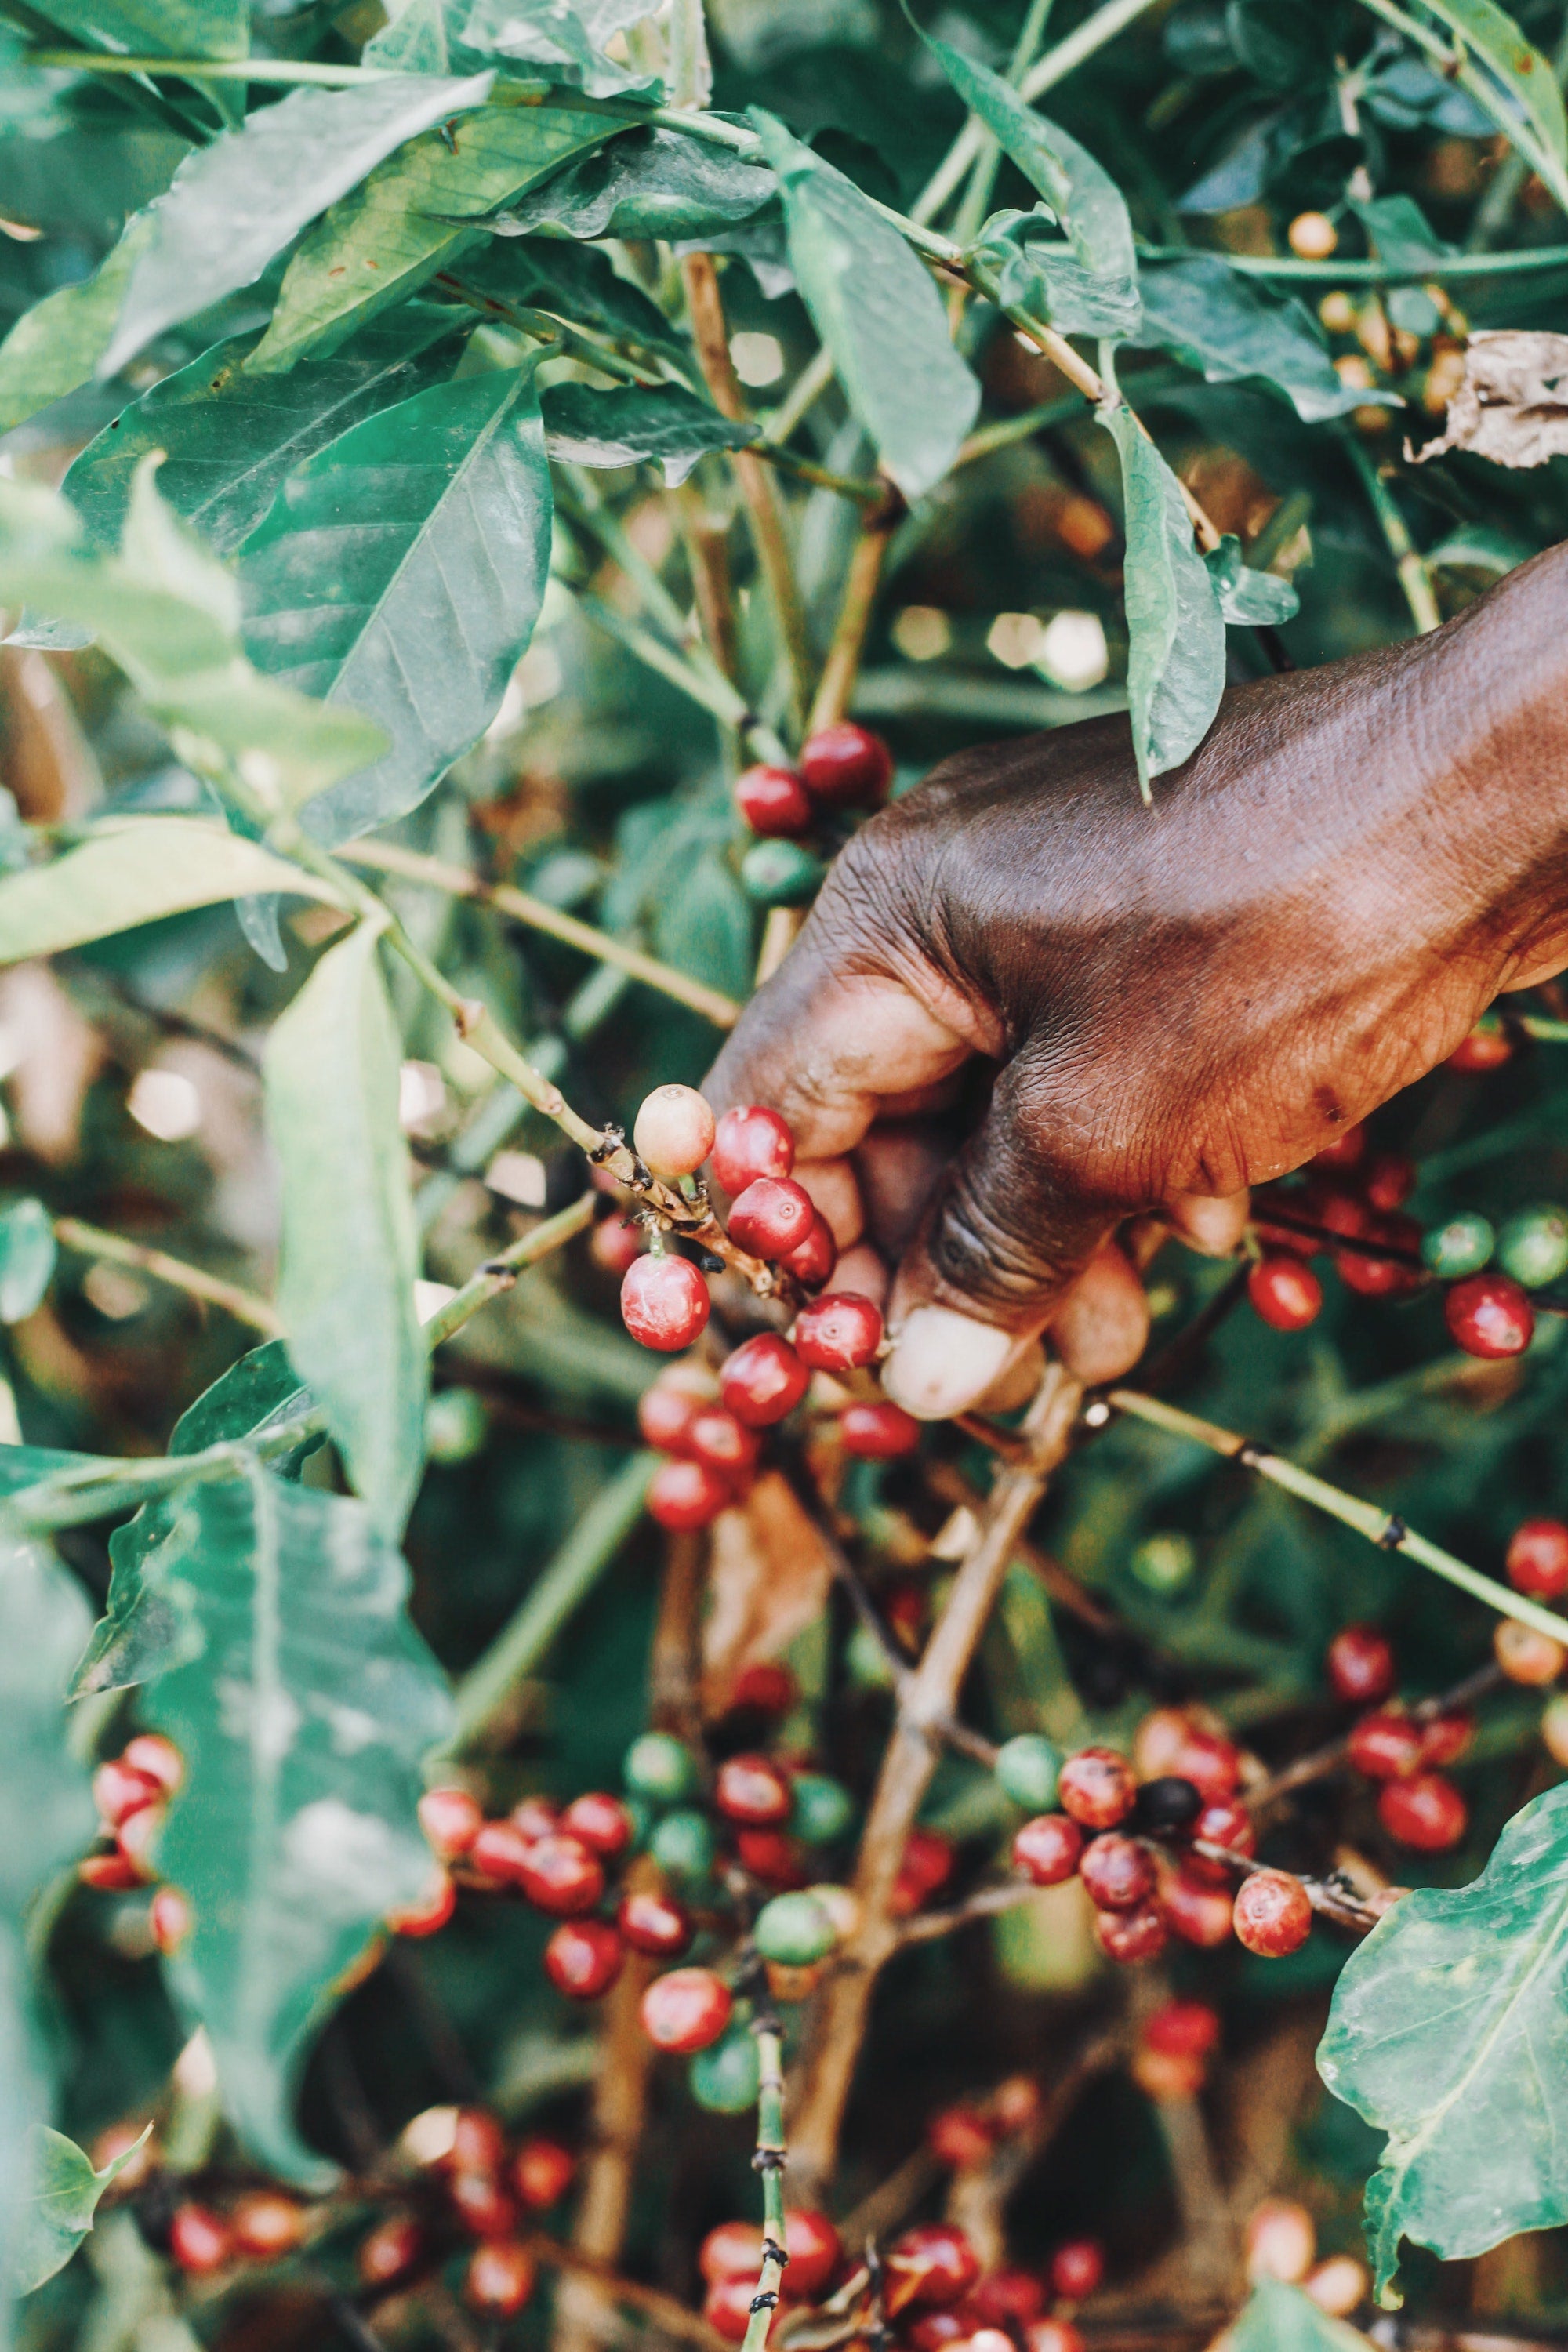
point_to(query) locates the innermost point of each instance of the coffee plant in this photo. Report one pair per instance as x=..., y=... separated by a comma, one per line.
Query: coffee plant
x=541, y=1805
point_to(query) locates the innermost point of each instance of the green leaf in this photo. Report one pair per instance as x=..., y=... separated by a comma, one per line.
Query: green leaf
x=1525, y=74
x=1479, y=547
x=1449, y=2031
x=577, y=283
x=159, y=28
x=1279, y=2318
x=26, y=1256
x=1035, y=271
x=401, y=571
x=260, y=1389
x=56, y=344
x=230, y=438
x=408, y=221
x=650, y=183
x=59, y=2213
x=550, y=40
x=878, y=314
x=30, y=1465
x=132, y=870
x=301, y=1721
x=234, y=204
x=1400, y=231
x=1175, y=662
x=1228, y=326
x=350, y=1253
x=1256, y=599
x=618, y=428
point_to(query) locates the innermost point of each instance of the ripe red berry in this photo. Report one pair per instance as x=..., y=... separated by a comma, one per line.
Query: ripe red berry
x=1388, y=1180
x=666, y=1410
x=535, y=1816
x=137, y=1835
x=768, y=1855
x=686, y=2010
x=1362, y=1668
x=763, y=1381
x=582, y=1958
x=1180, y=2029
x=847, y=766
x=716, y=1438
x=477, y=2142
x=501, y=1853
x=686, y=1494
x=774, y=802
x=1200, y=1915
x=1132, y=1937
x=542, y=2173
x=772, y=1216
x=1488, y=1315
x=169, y=1918
x=733, y=2250
x=751, y=1142
x=110, y=1873
x=1426, y=1813
x=562, y=1876
x=159, y=1757
x=1346, y=1152
x=428, y=1914
x=1047, y=1849
x=599, y=1821
x=1483, y=1049
x=838, y=1333
x=673, y=1131
x=927, y=1865
x=1537, y=1560
x=482, y=2205
x=931, y=2264
x=1285, y=1293
x=1445, y=1737
x=751, y=1788
x=199, y=2240
x=654, y=1923
x=1078, y=2267
x=813, y=1260
x=267, y=2223
x=616, y=1244
x=393, y=2247
x=960, y=2136
x=1117, y=1872
x=1097, y=1788
x=878, y=1432
x=1008, y=2294
x=1210, y=1761
x=1385, y=1745
x=500, y=2277
x=1381, y=1277
x=1271, y=1914
x=766, y=1685
x=117, y=1791
x=727, y=2306
x=451, y=1818
x=1228, y=1824
x=663, y=1302
x=815, y=2251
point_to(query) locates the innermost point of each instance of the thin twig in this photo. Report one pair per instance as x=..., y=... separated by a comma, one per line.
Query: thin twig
x=859, y=601
x=115, y=1249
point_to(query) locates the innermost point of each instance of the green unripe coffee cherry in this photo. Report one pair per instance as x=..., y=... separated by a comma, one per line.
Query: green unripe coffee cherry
x=866, y=1661
x=683, y=1844
x=1164, y=1563
x=1534, y=1247
x=1027, y=1768
x=1460, y=1245
x=456, y=1426
x=724, y=2077
x=824, y=1808
x=659, y=1767
x=780, y=874
x=794, y=1930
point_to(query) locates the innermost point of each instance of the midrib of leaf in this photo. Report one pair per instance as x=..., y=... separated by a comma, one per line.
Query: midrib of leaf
x=269, y=1699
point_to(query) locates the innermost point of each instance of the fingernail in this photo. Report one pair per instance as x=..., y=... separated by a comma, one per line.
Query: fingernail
x=942, y=1362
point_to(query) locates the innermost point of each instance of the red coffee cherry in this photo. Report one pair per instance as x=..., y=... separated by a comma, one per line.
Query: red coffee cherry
x=451, y=1818
x=773, y=1215
x=847, y=766
x=666, y=1410
x=1097, y=1788
x=1362, y=1668
x=582, y=1958
x=199, y=2240
x=814, y=1259
x=673, y=1131
x=1286, y=1294
x=169, y=1917
x=501, y=1853
x=1180, y=2029
x=1381, y=1277
x=1228, y=1824
x=159, y=1757
x=1537, y=1561
x=1445, y=1737
x=686, y=2010
x=733, y=2250
x=500, y=2277
x=536, y=1816
x=561, y=1876
x=1210, y=1761
x=838, y=1333
x=267, y=2223
x=616, y=1244
x=1385, y=1745
x=715, y=1437
x=1271, y=1913
x=1281, y=2240
x=663, y=1302
x=1523, y=1651
x=815, y=2251
x=878, y=1432
x=1388, y=1180
x=930, y=2265
x=1052, y=2336
x=774, y=802
x=1132, y=1937
x=482, y=2205
x=1200, y=1915
x=1117, y=1872
x=118, y=1792
x=766, y=1685
x=599, y=1821
x=752, y=1142
x=1426, y=1813
x=727, y=2306
x=1047, y=1849
x=654, y=1923
x=393, y=2247
x=477, y=2142
x=1346, y=1152
x=751, y=1788
x=1008, y=2295
x=1488, y=1315
x=542, y=2173
x=425, y=1915
x=686, y=1494
x=763, y=1381
x=1483, y=1049
x=1078, y=2267
x=108, y=1874
x=136, y=1837
x=777, y=1860
x=960, y=2136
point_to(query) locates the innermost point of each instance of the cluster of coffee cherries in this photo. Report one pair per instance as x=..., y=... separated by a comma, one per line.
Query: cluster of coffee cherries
x=131, y=1791
x=842, y=769
x=1401, y=1752
x=1357, y=1193
x=1282, y=2243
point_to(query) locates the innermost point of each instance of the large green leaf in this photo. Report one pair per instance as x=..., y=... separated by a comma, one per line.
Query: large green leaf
x=1175, y=660
x=1525, y=74
x=1229, y=327
x=548, y=40
x=401, y=571
x=408, y=220
x=234, y=204
x=350, y=1253
x=618, y=428
x=573, y=282
x=1279, y=2318
x=229, y=438
x=650, y=183
x=134, y=870
x=301, y=1719
x=1033, y=270
x=159, y=28
x=1449, y=2031
x=56, y=344
x=878, y=314
x=27, y=1257
x=60, y=2211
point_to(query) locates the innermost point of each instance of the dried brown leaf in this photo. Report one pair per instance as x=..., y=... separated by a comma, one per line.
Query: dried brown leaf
x=1512, y=404
x=768, y=1580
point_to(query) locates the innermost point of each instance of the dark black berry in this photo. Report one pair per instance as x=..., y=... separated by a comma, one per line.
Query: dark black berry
x=1168, y=1803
